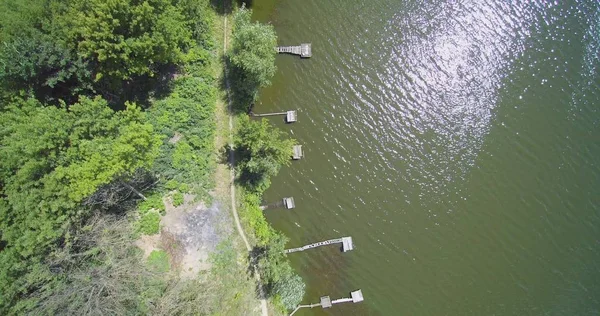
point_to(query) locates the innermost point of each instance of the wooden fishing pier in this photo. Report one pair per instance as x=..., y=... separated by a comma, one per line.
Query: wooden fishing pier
x=290, y=116
x=346, y=242
x=326, y=302
x=288, y=202
x=304, y=50
x=297, y=153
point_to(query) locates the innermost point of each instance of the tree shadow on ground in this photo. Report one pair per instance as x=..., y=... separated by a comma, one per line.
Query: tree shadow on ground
x=225, y=7
x=223, y=155
x=254, y=256
x=245, y=178
x=242, y=91
x=146, y=88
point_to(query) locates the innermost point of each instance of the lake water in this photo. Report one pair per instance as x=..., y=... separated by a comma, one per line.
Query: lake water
x=457, y=142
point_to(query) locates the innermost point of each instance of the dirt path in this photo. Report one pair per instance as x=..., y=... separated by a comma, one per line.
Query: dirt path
x=263, y=302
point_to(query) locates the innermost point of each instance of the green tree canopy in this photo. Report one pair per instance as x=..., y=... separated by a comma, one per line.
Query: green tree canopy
x=125, y=37
x=281, y=280
x=261, y=150
x=59, y=49
x=19, y=18
x=52, y=158
x=252, y=55
x=40, y=65
x=32, y=59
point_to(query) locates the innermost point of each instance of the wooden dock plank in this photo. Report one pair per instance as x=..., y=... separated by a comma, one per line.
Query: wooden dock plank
x=357, y=296
x=289, y=203
x=291, y=116
x=297, y=152
x=322, y=243
x=347, y=244
x=304, y=50
x=325, y=301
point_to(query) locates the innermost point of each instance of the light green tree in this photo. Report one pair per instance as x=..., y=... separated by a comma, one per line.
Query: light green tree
x=280, y=280
x=252, y=55
x=124, y=37
x=261, y=150
x=51, y=159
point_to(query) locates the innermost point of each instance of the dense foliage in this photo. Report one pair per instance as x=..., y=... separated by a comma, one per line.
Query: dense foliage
x=106, y=111
x=261, y=150
x=74, y=143
x=58, y=49
x=53, y=158
x=123, y=38
x=252, y=58
x=185, y=119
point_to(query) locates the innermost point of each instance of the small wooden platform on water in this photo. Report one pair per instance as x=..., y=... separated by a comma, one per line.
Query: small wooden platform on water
x=356, y=297
x=288, y=202
x=290, y=116
x=297, y=152
x=326, y=302
x=304, y=50
x=347, y=244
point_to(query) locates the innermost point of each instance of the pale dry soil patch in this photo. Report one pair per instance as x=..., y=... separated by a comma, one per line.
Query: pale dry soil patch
x=189, y=233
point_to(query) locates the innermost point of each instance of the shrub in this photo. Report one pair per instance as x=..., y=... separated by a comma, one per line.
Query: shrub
x=171, y=184
x=153, y=201
x=158, y=261
x=290, y=290
x=255, y=218
x=177, y=198
x=149, y=223
x=184, y=187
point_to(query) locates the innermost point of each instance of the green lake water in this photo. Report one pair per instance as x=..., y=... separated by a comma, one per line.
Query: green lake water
x=457, y=142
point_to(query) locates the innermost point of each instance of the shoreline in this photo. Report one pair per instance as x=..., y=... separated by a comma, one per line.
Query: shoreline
x=253, y=229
